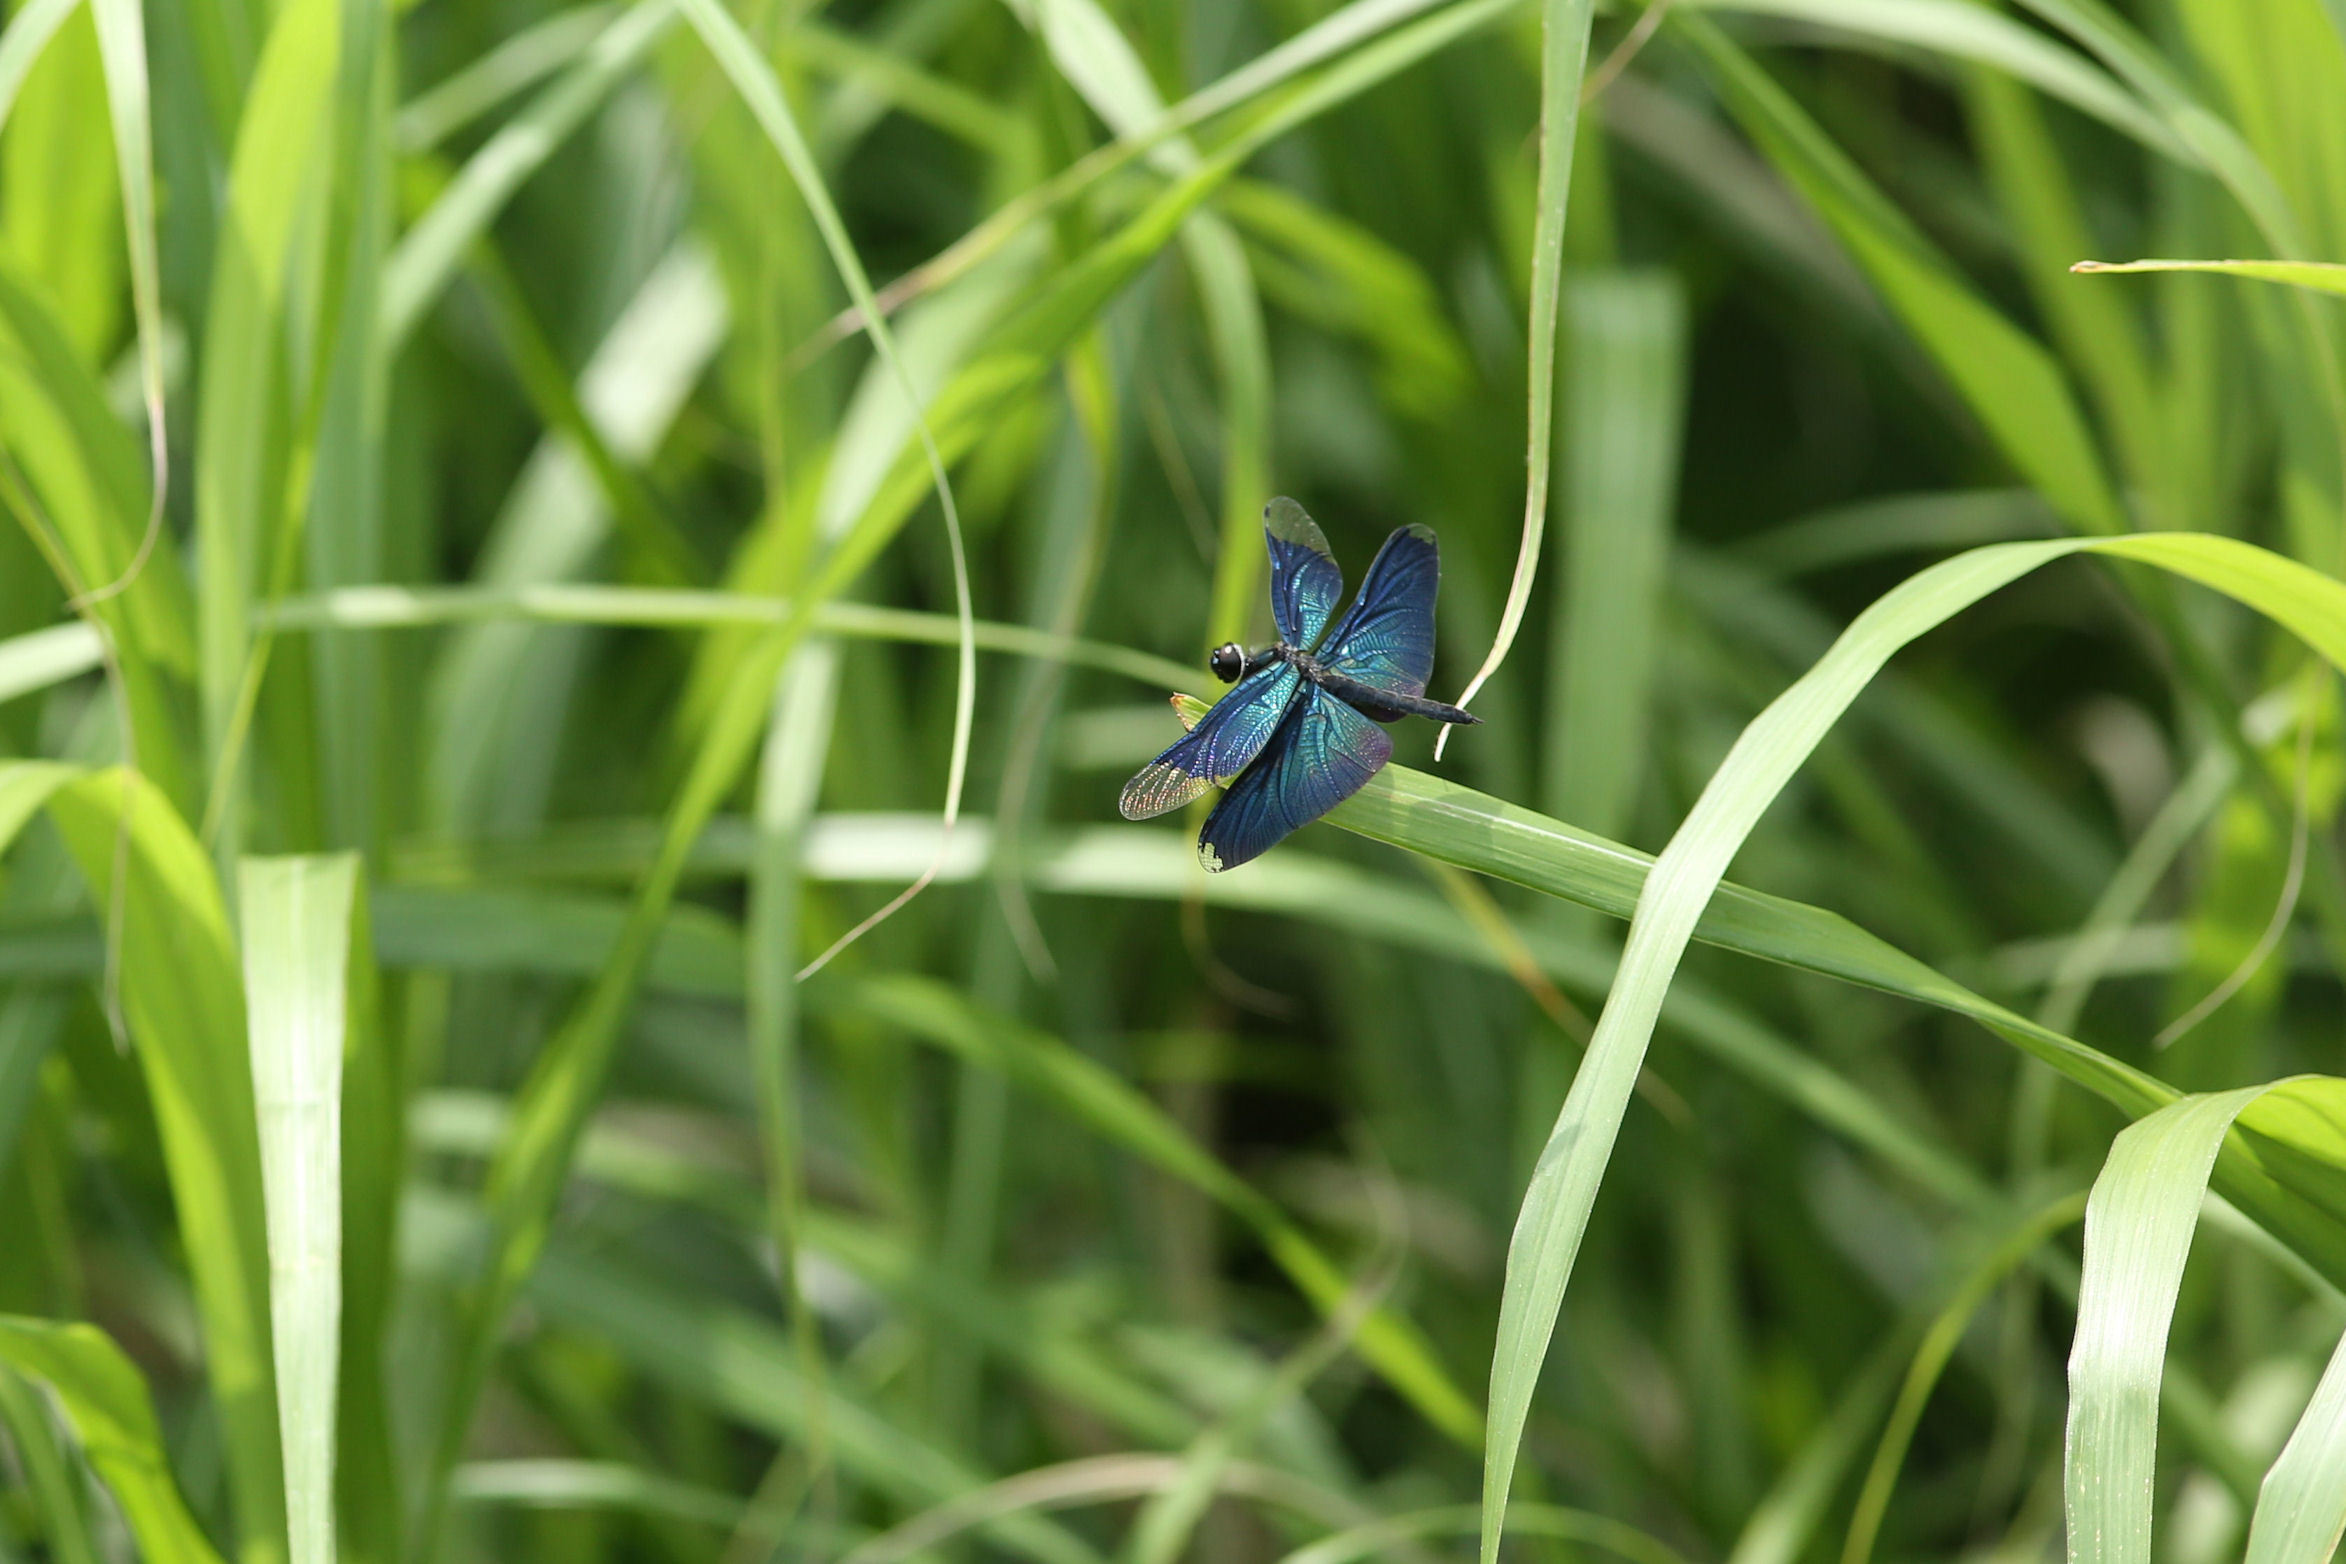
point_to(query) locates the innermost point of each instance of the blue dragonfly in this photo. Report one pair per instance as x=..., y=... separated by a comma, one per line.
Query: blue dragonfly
x=1299, y=732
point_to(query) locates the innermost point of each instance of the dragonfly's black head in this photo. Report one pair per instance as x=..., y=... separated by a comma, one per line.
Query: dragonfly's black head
x=1228, y=661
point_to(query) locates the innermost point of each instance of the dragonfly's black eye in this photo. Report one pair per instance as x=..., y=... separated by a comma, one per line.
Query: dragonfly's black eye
x=1227, y=661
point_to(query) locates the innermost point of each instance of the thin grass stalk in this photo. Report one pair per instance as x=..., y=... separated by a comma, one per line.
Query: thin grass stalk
x=1564, y=26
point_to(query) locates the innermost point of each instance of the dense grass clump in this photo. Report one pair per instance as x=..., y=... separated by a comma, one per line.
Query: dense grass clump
x=577, y=586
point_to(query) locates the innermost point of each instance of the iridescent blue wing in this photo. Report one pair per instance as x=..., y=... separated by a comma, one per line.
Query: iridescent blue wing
x=1306, y=582
x=1320, y=756
x=1387, y=637
x=1231, y=733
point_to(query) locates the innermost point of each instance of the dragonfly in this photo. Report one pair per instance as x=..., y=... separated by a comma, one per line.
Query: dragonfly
x=1301, y=729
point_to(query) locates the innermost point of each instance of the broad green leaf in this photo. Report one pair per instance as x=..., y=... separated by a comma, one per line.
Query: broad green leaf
x=185, y=1004
x=105, y=1400
x=2302, y=1510
x=61, y=204
x=1906, y=523
x=297, y=918
x=2138, y=1227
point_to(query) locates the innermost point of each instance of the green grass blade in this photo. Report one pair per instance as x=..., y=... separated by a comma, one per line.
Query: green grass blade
x=2138, y=1227
x=746, y=1367
x=74, y=484
x=40, y=658
x=1094, y=1095
x=296, y=916
x=2317, y=276
x=185, y=1002
x=570, y=1485
x=1564, y=27
x=122, y=45
x=1563, y=1187
x=260, y=304
x=2015, y=389
x=106, y=1401
x=498, y=692
x=28, y=32
x=520, y=62
x=754, y=80
x=2215, y=144
x=388, y=607
x=430, y=252
x=1969, y=32
x=1930, y=1361
x=1906, y=523
x=1381, y=1538
x=1624, y=400
x=2301, y=1512
x=53, y=1481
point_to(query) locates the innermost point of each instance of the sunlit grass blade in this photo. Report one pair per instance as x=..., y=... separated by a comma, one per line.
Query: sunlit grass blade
x=296, y=916
x=431, y=251
x=2317, y=276
x=40, y=658
x=1564, y=29
x=185, y=1003
x=2138, y=1228
x=105, y=1400
x=569, y=1485
x=1564, y=1184
x=2301, y=1511
x=29, y=29
x=388, y=607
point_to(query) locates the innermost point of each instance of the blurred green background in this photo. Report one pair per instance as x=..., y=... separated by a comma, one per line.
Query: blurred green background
x=544, y=645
